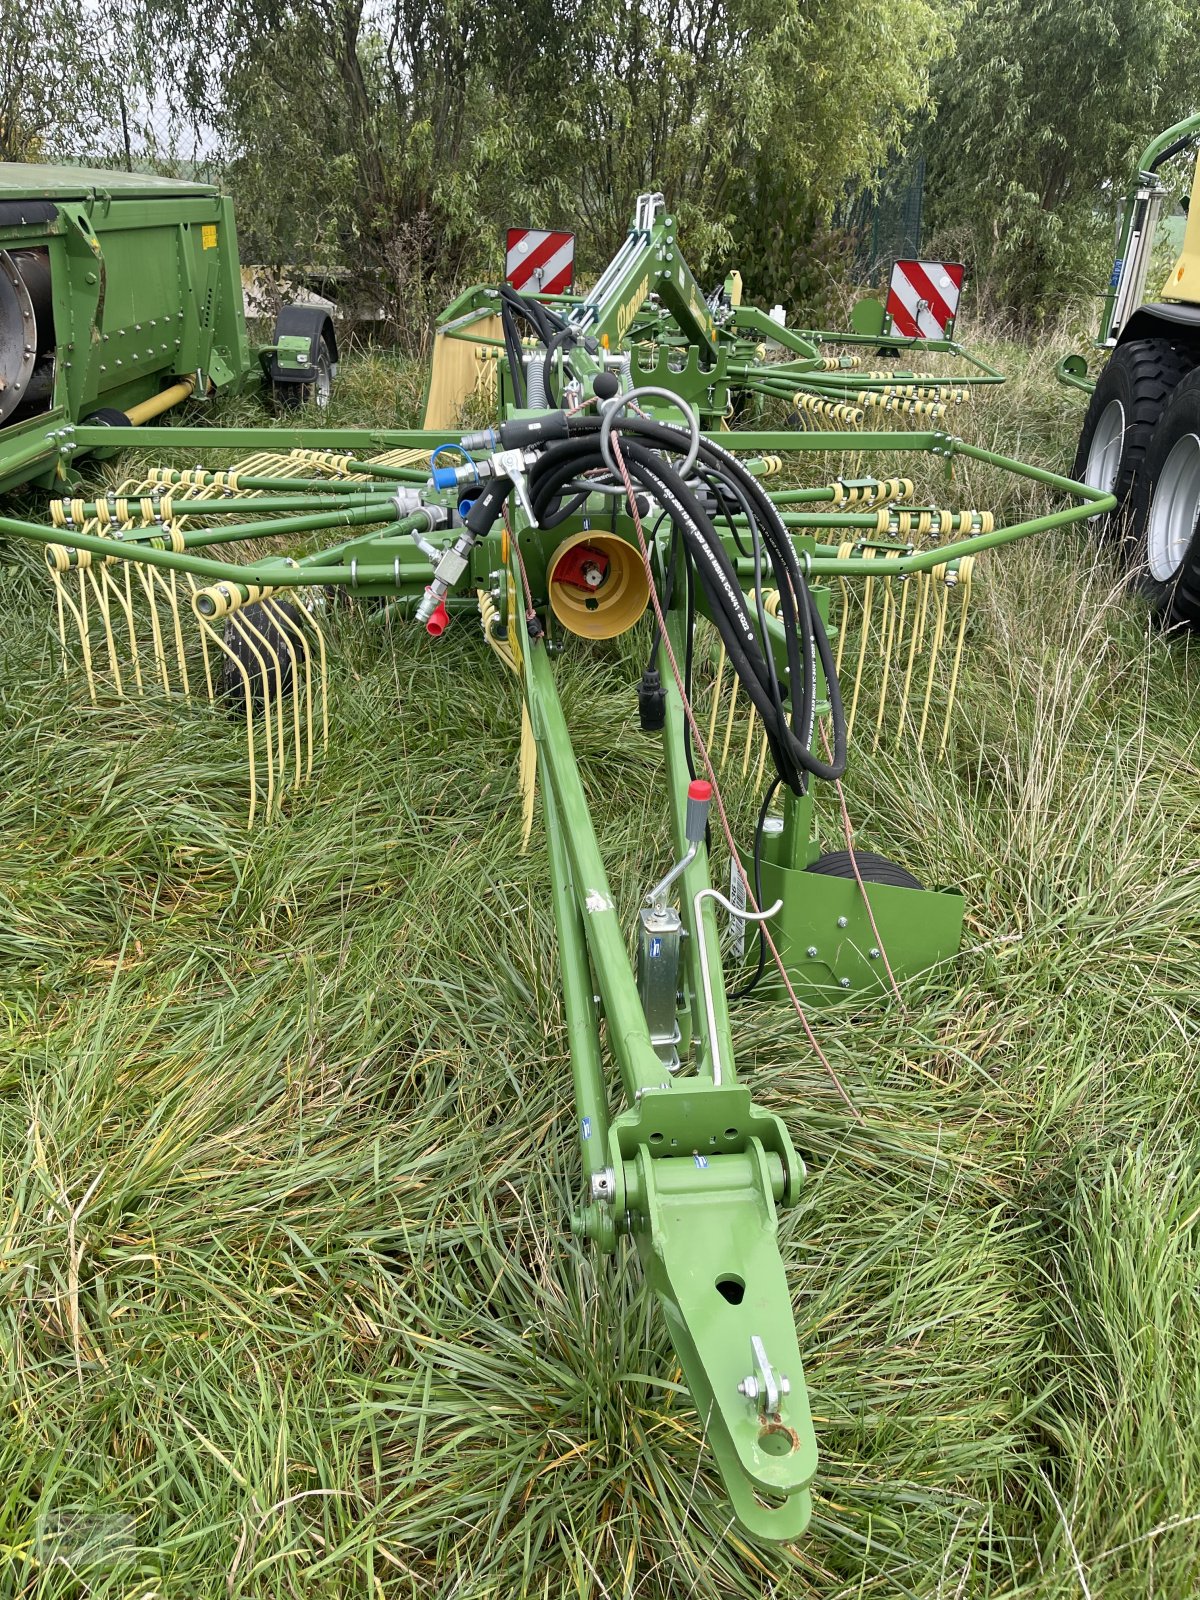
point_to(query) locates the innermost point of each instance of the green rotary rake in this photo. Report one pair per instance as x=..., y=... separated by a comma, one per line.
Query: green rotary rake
x=794, y=600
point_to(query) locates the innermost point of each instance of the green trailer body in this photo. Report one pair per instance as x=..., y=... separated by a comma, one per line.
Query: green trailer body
x=119, y=293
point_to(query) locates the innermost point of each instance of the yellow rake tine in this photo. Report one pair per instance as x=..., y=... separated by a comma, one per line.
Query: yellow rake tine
x=204, y=632
x=146, y=579
x=56, y=581
x=135, y=654
x=939, y=630
x=85, y=630
x=916, y=641
x=868, y=606
x=249, y=632
x=891, y=634
x=80, y=619
x=897, y=646
x=733, y=696
x=750, y=721
x=762, y=760
x=171, y=595
x=965, y=571
x=98, y=590
x=716, y=697
x=287, y=628
x=322, y=678
x=207, y=627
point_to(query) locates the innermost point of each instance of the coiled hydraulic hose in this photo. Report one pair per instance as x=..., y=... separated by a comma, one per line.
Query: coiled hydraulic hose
x=788, y=713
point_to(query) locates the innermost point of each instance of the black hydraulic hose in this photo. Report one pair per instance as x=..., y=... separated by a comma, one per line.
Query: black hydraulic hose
x=512, y=349
x=1172, y=150
x=789, y=739
x=722, y=589
x=545, y=323
x=565, y=335
x=790, y=727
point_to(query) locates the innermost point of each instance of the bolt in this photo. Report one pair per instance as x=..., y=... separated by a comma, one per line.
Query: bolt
x=873, y=953
x=604, y=1184
x=785, y=1385
x=845, y=983
x=812, y=950
x=843, y=922
x=749, y=1387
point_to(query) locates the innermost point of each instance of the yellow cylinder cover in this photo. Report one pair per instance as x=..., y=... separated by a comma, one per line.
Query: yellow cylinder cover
x=616, y=602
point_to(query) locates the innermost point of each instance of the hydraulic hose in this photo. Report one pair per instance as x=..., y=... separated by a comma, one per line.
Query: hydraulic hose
x=789, y=727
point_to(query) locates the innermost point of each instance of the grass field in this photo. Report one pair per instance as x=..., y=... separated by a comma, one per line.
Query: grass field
x=289, y=1307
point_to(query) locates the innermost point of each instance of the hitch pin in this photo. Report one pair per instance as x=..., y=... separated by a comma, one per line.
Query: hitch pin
x=766, y=1386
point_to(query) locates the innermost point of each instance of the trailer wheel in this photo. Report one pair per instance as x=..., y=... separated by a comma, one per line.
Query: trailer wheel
x=1166, y=511
x=258, y=641
x=291, y=396
x=1129, y=398
x=871, y=868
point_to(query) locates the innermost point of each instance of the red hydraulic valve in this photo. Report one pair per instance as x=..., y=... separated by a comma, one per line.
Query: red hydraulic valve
x=439, y=620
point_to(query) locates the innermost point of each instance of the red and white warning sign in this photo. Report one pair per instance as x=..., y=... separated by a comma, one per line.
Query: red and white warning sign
x=923, y=298
x=540, y=262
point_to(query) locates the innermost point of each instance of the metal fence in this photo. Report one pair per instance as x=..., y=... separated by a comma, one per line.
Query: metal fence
x=886, y=220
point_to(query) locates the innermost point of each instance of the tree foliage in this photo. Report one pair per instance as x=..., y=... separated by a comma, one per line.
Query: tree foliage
x=397, y=138
x=50, y=74
x=1038, y=121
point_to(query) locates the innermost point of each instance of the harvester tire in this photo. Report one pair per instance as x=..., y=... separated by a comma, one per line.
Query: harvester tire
x=1130, y=396
x=291, y=396
x=871, y=868
x=1166, y=511
x=257, y=646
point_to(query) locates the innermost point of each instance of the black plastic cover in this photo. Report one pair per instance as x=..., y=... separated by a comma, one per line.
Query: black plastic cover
x=1159, y=318
x=23, y=213
x=314, y=322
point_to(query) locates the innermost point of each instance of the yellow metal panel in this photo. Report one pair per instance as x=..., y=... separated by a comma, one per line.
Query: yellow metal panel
x=1184, y=282
x=457, y=372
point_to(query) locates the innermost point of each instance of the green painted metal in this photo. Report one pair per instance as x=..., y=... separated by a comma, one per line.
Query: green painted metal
x=144, y=290
x=837, y=940
x=694, y=1169
x=682, y=1162
x=1071, y=371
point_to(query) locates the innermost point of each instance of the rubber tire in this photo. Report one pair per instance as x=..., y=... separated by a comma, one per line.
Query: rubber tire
x=291, y=396
x=1142, y=375
x=871, y=868
x=1177, y=601
x=232, y=684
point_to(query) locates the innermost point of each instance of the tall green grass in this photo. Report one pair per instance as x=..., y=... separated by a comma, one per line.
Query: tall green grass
x=287, y=1299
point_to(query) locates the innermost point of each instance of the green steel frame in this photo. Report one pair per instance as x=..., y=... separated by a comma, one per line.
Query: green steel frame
x=689, y=1169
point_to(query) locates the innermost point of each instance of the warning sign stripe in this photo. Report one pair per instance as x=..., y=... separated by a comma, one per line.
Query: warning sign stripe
x=924, y=285
x=540, y=261
x=923, y=298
